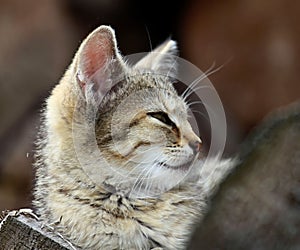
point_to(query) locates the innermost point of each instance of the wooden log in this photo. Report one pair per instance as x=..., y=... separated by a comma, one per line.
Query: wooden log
x=21, y=231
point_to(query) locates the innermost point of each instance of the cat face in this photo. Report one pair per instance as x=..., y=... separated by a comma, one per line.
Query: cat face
x=141, y=123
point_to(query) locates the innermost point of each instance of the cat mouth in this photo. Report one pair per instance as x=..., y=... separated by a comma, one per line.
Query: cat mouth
x=184, y=167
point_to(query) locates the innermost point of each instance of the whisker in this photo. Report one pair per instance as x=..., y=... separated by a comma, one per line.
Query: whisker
x=149, y=38
x=140, y=178
x=190, y=89
x=201, y=77
x=193, y=103
x=205, y=106
x=135, y=168
x=197, y=88
x=191, y=86
x=146, y=177
x=201, y=113
x=193, y=89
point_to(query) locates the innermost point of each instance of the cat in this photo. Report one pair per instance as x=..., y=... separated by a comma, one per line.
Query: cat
x=118, y=165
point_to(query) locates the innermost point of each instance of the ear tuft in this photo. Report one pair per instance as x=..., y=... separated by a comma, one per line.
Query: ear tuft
x=162, y=59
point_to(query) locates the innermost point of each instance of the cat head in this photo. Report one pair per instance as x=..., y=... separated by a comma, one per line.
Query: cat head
x=143, y=141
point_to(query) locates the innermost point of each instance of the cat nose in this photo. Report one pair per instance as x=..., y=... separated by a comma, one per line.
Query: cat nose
x=195, y=146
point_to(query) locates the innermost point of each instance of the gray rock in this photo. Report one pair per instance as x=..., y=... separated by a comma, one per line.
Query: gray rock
x=258, y=206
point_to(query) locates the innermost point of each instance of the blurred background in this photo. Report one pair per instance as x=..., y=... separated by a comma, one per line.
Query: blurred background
x=257, y=41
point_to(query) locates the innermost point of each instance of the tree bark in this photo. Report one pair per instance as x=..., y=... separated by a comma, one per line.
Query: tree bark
x=22, y=232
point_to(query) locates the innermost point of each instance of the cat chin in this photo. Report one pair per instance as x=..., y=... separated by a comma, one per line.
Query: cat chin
x=145, y=184
x=162, y=180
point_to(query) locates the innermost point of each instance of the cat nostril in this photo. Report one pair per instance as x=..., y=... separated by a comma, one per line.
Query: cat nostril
x=195, y=146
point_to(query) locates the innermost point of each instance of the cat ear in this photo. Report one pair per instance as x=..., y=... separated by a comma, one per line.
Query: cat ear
x=99, y=64
x=161, y=60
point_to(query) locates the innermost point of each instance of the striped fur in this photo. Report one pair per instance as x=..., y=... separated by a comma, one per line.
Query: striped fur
x=139, y=192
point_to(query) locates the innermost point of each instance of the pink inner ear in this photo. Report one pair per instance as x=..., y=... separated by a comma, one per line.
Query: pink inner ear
x=97, y=51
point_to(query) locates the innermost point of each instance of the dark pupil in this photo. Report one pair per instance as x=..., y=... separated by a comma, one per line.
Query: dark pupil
x=163, y=117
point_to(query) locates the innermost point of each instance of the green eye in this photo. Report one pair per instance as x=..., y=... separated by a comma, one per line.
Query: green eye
x=163, y=117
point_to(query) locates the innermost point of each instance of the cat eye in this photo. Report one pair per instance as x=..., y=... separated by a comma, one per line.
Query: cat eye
x=163, y=117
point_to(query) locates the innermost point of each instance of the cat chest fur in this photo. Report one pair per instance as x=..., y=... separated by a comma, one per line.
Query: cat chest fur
x=110, y=221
